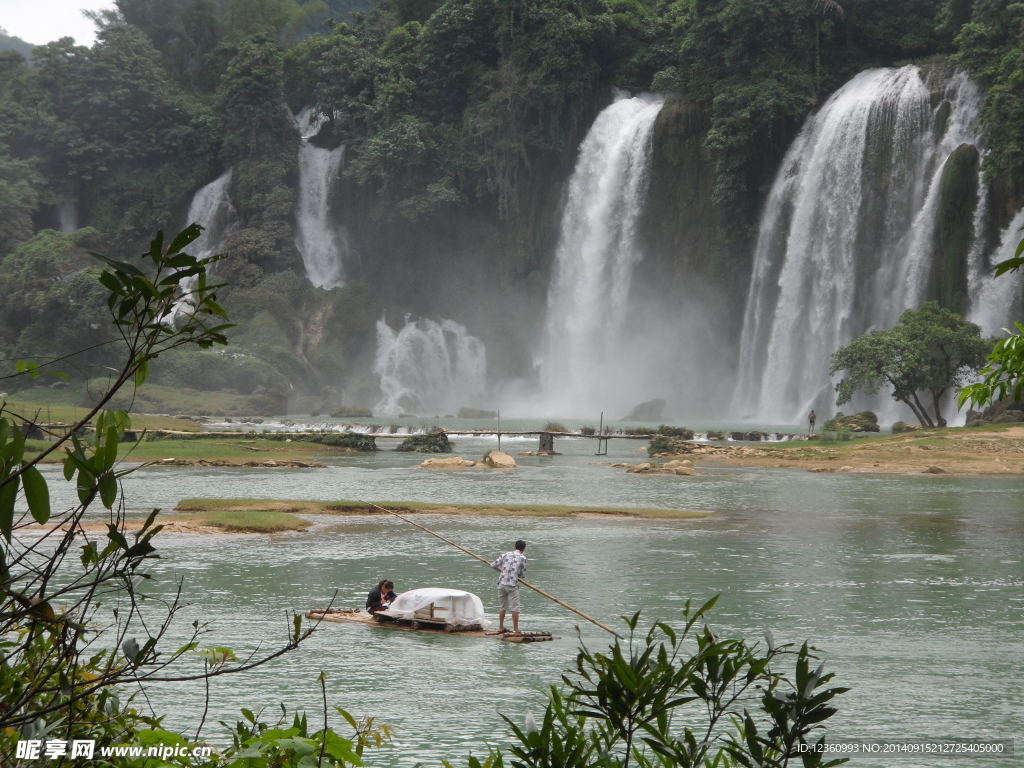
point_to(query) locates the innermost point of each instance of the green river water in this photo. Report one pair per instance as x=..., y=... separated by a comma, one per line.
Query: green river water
x=913, y=586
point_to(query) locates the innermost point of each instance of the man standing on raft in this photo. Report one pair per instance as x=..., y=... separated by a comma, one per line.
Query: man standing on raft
x=512, y=566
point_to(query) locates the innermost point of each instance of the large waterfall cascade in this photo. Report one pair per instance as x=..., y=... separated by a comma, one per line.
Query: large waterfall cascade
x=848, y=233
x=597, y=252
x=428, y=367
x=211, y=209
x=321, y=242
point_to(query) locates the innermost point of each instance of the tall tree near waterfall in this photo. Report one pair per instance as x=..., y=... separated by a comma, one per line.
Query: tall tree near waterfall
x=929, y=352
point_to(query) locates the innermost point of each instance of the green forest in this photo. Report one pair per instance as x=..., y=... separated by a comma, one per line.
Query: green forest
x=460, y=121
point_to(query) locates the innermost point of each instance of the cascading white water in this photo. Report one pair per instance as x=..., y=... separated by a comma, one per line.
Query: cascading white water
x=848, y=233
x=211, y=209
x=428, y=367
x=996, y=302
x=597, y=251
x=321, y=242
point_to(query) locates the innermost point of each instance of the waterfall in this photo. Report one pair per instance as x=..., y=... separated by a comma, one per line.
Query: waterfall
x=597, y=252
x=67, y=215
x=428, y=367
x=848, y=233
x=318, y=240
x=211, y=209
x=996, y=301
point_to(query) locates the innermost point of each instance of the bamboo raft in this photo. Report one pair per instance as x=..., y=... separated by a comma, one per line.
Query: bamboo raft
x=426, y=623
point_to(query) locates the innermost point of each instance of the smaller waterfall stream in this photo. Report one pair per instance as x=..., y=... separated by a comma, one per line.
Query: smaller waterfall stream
x=428, y=367
x=597, y=251
x=321, y=243
x=211, y=209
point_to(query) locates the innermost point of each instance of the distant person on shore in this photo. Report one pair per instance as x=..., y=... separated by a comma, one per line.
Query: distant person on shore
x=381, y=596
x=512, y=566
x=812, y=418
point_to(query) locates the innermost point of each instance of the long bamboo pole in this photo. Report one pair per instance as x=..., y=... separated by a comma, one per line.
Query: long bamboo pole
x=538, y=590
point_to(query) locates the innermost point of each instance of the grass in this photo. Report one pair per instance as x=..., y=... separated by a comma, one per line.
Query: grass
x=415, y=507
x=152, y=398
x=248, y=448
x=69, y=414
x=245, y=521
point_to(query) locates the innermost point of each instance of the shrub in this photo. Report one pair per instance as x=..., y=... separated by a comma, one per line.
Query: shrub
x=554, y=426
x=683, y=432
x=865, y=421
x=431, y=442
x=901, y=426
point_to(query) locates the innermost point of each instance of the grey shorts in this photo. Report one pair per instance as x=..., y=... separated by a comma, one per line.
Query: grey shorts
x=508, y=597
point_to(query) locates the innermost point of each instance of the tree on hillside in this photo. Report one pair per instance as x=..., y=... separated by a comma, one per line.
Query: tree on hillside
x=929, y=352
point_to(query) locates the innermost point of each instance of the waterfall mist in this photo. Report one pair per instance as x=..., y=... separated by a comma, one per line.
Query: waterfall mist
x=598, y=249
x=428, y=367
x=848, y=234
x=321, y=242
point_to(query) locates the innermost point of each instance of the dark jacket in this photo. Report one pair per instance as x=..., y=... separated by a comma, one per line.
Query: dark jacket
x=374, y=599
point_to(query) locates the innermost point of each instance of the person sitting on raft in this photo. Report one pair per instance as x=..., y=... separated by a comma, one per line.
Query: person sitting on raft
x=381, y=596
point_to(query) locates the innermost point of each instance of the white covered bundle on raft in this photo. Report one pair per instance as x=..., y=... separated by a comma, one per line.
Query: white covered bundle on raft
x=452, y=606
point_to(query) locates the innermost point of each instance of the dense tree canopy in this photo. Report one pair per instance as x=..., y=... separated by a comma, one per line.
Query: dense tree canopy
x=446, y=108
x=928, y=353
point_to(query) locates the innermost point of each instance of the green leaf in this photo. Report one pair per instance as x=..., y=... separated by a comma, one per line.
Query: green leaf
x=8, y=494
x=183, y=238
x=142, y=373
x=89, y=554
x=110, y=448
x=116, y=536
x=37, y=494
x=108, y=491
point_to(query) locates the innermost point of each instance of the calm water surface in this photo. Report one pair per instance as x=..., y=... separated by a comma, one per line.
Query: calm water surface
x=913, y=587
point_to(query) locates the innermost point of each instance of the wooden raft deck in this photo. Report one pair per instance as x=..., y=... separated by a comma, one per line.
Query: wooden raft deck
x=355, y=616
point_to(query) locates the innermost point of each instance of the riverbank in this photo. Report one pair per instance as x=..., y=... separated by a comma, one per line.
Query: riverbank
x=989, y=450
x=207, y=506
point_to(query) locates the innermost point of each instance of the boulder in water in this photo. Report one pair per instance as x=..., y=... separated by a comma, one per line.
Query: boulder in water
x=644, y=466
x=448, y=462
x=351, y=413
x=499, y=460
x=650, y=410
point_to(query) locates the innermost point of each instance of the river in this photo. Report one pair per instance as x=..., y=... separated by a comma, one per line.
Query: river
x=913, y=586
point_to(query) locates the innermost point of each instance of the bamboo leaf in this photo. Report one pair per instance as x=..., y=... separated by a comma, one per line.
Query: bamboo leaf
x=142, y=373
x=37, y=493
x=108, y=491
x=8, y=493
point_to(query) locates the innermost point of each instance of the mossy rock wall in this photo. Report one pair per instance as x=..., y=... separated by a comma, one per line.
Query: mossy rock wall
x=958, y=197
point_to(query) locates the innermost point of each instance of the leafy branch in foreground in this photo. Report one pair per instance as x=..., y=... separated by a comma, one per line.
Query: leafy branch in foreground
x=63, y=587
x=659, y=701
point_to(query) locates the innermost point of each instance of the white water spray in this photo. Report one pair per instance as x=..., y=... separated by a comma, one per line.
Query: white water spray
x=848, y=232
x=321, y=243
x=597, y=252
x=428, y=367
